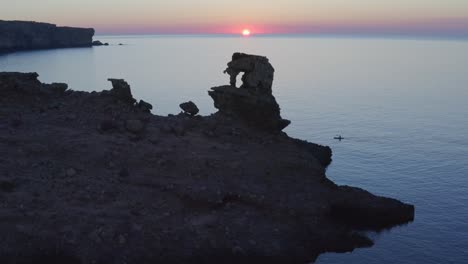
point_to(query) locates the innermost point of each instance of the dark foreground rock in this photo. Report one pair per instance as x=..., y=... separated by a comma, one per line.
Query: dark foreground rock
x=94, y=178
x=24, y=35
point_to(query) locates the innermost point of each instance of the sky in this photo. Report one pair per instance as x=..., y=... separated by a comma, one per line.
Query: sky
x=399, y=17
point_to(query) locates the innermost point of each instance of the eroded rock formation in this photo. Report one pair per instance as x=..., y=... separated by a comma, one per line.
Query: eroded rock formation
x=94, y=178
x=253, y=101
x=24, y=35
x=121, y=90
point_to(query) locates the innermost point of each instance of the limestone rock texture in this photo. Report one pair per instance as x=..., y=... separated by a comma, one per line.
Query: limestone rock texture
x=93, y=178
x=253, y=101
x=25, y=35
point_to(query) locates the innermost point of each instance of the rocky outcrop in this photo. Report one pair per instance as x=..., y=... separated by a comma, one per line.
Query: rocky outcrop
x=121, y=91
x=189, y=108
x=99, y=43
x=23, y=35
x=94, y=178
x=253, y=101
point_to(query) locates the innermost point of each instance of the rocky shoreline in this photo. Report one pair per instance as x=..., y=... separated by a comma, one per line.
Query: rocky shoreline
x=26, y=35
x=96, y=178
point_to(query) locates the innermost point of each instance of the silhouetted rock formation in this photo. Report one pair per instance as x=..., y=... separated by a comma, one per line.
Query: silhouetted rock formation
x=23, y=35
x=253, y=101
x=94, y=178
x=258, y=72
x=190, y=108
x=121, y=90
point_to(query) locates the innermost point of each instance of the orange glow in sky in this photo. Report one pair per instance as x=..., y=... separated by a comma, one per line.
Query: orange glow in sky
x=245, y=32
x=424, y=17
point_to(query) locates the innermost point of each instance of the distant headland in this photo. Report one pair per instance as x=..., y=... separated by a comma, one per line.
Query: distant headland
x=25, y=35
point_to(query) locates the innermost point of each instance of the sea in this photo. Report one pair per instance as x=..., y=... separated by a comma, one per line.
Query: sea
x=401, y=105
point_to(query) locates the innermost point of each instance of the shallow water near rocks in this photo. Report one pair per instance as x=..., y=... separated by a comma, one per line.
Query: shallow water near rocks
x=399, y=104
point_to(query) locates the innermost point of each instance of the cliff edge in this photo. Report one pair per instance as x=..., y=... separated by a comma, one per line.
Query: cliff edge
x=24, y=35
x=96, y=178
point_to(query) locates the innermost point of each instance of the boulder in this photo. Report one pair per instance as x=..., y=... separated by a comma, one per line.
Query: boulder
x=189, y=108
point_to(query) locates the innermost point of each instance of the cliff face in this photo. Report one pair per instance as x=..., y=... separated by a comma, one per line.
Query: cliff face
x=23, y=35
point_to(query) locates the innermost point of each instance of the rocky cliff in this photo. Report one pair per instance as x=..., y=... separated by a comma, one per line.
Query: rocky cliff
x=96, y=178
x=22, y=35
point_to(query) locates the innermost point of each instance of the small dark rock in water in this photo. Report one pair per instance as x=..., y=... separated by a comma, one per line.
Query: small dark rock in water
x=120, y=44
x=121, y=90
x=146, y=107
x=97, y=43
x=135, y=126
x=190, y=108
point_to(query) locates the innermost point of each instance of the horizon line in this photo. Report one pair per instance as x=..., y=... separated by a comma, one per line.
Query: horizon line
x=323, y=34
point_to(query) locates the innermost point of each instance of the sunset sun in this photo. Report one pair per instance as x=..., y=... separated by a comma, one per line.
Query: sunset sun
x=245, y=32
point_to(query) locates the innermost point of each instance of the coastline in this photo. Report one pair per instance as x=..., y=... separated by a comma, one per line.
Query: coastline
x=111, y=158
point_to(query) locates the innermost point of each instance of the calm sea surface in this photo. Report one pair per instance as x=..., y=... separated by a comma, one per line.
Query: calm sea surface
x=402, y=106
